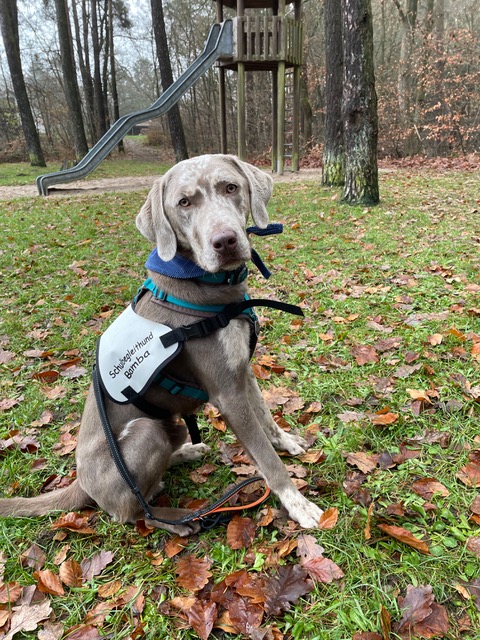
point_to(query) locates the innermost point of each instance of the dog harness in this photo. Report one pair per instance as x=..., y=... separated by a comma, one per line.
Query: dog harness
x=134, y=351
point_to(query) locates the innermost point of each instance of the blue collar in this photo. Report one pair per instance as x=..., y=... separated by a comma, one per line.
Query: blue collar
x=184, y=269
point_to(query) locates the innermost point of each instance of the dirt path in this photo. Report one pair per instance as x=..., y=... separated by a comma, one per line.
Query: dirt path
x=90, y=187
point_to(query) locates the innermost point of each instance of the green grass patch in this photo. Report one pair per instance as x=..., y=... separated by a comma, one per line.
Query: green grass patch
x=392, y=327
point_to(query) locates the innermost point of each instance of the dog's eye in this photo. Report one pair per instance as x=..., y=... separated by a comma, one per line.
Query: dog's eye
x=231, y=188
x=184, y=202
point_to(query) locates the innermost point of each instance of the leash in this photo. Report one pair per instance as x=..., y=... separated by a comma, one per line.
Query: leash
x=209, y=516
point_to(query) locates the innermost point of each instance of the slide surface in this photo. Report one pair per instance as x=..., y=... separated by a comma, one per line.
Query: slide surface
x=219, y=45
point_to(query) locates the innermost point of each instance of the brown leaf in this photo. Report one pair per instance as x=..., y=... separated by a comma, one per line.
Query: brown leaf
x=405, y=536
x=469, y=474
x=366, y=635
x=427, y=487
x=202, y=617
x=245, y=616
x=73, y=522
x=109, y=589
x=46, y=376
x=175, y=545
x=416, y=606
x=473, y=545
x=8, y=403
x=384, y=418
x=71, y=573
x=285, y=588
x=314, y=456
x=193, y=573
x=48, y=582
x=308, y=547
x=475, y=506
x=27, y=617
x=96, y=564
x=83, y=632
x=323, y=570
x=351, y=416
x=435, y=339
x=366, y=462
x=240, y=532
x=33, y=557
x=51, y=631
x=364, y=354
x=10, y=592
x=328, y=519
x=436, y=625
x=6, y=356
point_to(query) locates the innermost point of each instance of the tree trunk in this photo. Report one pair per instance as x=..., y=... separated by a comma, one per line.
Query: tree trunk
x=174, y=120
x=101, y=120
x=72, y=93
x=83, y=64
x=333, y=165
x=406, y=76
x=359, y=106
x=113, y=72
x=9, y=27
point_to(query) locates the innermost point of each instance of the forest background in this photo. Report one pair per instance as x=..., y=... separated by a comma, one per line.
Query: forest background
x=427, y=67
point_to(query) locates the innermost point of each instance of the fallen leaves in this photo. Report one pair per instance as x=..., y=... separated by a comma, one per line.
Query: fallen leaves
x=405, y=536
x=421, y=615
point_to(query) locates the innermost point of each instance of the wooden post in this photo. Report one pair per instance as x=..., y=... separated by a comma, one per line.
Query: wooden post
x=274, y=121
x=296, y=119
x=241, y=102
x=281, y=117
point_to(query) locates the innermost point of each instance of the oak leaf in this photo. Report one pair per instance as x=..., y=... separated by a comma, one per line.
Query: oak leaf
x=285, y=588
x=193, y=573
x=240, y=532
x=364, y=354
x=323, y=570
x=427, y=487
x=73, y=522
x=26, y=617
x=384, y=418
x=202, y=617
x=10, y=592
x=366, y=462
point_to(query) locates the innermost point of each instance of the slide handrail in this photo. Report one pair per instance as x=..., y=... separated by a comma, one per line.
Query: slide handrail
x=219, y=44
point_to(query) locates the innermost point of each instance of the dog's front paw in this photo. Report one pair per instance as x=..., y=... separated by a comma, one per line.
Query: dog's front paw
x=189, y=453
x=294, y=444
x=306, y=513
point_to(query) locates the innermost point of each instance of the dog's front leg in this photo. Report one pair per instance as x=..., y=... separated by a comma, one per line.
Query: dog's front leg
x=239, y=412
x=293, y=443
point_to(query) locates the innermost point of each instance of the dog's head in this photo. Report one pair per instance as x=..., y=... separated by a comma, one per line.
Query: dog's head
x=200, y=208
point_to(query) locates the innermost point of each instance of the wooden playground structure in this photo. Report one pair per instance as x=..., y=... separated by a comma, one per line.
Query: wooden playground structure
x=267, y=38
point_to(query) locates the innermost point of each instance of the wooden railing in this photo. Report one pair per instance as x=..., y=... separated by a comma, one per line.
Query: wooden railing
x=268, y=39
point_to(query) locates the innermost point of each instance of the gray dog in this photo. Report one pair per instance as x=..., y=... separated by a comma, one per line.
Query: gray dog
x=196, y=214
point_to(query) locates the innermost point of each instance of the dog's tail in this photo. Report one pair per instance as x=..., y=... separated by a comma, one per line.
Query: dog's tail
x=70, y=498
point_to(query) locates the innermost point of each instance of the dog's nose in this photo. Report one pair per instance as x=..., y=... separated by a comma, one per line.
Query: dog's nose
x=224, y=242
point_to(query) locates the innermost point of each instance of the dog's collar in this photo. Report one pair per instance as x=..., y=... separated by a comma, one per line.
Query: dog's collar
x=182, y=268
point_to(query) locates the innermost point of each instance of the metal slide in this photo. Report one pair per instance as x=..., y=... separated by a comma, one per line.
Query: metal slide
x=219, y=45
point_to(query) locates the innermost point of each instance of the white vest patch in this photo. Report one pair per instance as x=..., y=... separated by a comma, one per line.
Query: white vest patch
x=130, y=354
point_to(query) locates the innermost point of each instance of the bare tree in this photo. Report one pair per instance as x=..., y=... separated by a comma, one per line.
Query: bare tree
x=359, y=106
x=333, y=165
x=72, y=92
x=174, y=120
x=11, y=41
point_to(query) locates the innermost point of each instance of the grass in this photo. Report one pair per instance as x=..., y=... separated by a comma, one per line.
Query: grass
x=407, y=269
x=22, y=173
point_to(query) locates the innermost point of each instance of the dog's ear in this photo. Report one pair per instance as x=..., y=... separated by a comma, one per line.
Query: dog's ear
x=260, y=186
x=153, y=224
